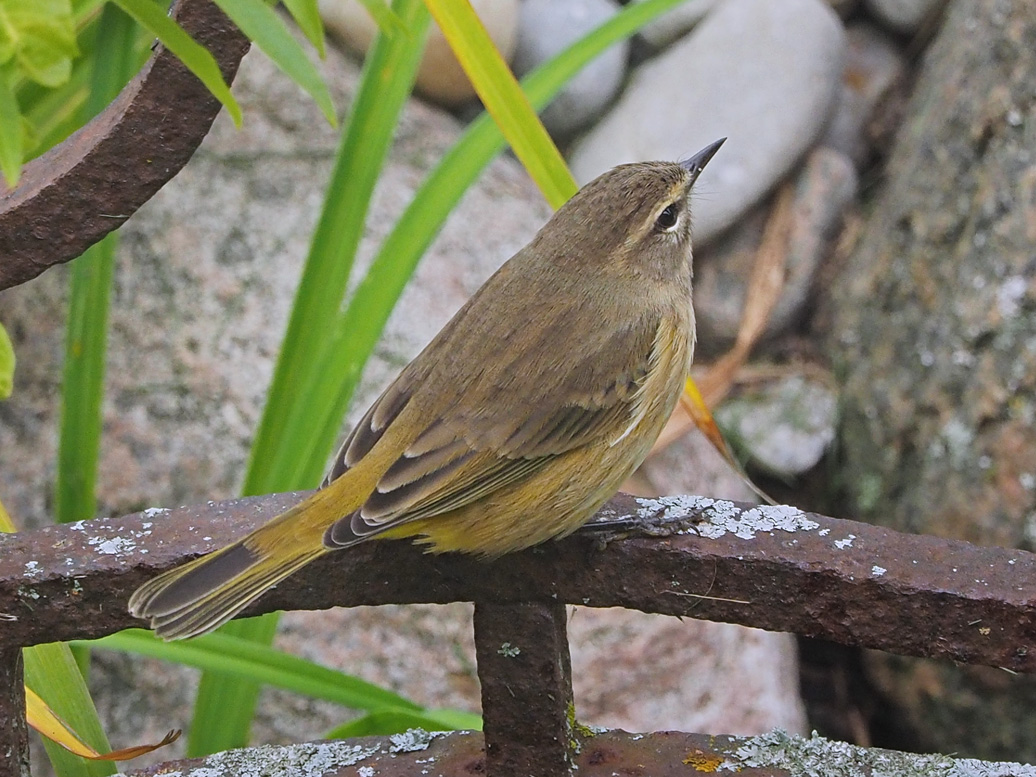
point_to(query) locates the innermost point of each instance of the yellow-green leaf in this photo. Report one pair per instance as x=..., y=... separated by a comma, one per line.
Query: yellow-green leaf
x=7, y=361
x=40, y=37
x=504, y=99
x=307, y=16
x=261, y=24
x=42, y=718
x=11, y=136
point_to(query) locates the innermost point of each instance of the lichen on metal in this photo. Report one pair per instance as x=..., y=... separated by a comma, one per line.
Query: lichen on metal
x=815, y=755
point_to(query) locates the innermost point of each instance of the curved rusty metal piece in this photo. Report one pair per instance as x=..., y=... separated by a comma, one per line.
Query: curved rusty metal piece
x=88, y=185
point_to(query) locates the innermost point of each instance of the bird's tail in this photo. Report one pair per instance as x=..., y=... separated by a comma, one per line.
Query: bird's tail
x=203, y=594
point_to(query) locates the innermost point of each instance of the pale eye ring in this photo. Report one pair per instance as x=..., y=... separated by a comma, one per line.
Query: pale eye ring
x=668, y=218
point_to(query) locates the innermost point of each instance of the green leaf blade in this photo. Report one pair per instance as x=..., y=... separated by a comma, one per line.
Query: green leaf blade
x=262, y=25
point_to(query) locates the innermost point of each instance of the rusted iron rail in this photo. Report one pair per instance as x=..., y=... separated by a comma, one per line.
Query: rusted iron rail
x=88, y=185
x=599, y=754
x=772, y=568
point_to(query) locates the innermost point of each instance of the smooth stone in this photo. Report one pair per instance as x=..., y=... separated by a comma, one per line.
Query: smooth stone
x=546, y=27
x=902, y=16
x=440, y=78
x=874, y=68
x=763, y=74
x=824, y=187
x=675, y=23
x=843, y=7
x=784, y=427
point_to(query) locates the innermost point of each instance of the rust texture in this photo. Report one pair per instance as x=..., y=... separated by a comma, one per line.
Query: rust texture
x=822, y=577
x=14, y=737
x=88, y=185
x=599, y=754
x=460, y=754
x=526, y=677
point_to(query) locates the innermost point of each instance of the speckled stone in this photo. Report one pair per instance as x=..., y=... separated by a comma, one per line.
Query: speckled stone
x=931, y=329
x=764, y=75
x=824, y=187
x=875, y=70
x=546, y=27
x=903, y=16
x=783, y=427
x=675, y=23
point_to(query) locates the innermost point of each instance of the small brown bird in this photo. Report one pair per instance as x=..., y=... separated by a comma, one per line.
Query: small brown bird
x=516, y=423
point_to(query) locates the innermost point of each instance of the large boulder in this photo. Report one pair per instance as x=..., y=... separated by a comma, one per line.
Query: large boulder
x=930, y=327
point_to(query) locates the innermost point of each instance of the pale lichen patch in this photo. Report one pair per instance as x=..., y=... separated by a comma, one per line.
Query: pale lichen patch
x=412, y=740
x=112, y=546
x=716, y=517
x=32, y=570
x=816, y=755
x=311, y=759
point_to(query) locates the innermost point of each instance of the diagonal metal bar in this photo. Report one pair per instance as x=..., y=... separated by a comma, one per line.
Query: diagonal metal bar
x=88, y=185
x=772, y=568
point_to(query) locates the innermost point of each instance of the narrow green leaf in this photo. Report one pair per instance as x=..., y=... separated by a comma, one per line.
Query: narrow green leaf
x=51, y=671
x=397, y=721
x=262, y=25
x=387, y=20
x=262, y=664
x=388, y=74
x=504, y=99
x=306, y=14
x=195, y=57
x=225, y=704
x=86, y=334
x=11, y=147
x=7, y=362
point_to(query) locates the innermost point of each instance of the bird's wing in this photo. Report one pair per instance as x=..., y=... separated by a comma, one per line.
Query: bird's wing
x=498, y=428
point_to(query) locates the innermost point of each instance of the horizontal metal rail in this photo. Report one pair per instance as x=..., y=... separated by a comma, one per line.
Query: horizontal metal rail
x=774, y=568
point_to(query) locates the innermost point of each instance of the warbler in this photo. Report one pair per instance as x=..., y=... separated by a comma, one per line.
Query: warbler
x=516, y=423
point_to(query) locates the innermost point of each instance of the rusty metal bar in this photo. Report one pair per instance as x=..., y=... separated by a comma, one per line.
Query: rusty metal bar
x=600, y=754
x=88, y=185
x=14, y=735
x=772, y=568
x=526, y=676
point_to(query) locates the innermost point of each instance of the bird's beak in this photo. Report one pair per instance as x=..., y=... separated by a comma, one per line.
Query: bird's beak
x=697, y=163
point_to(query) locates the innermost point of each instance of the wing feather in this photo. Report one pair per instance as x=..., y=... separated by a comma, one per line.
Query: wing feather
x=506, y=421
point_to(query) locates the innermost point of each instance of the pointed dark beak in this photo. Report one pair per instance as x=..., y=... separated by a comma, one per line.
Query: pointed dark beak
x=697, y=163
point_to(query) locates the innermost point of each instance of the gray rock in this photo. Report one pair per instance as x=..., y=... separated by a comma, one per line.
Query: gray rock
x=676, y=23
x=874, y=68
x=545, y=27
x=843, y=7
x=784, y=427
x=823, y=189
x=904, y=16
x=930, y=328
x=763, y=74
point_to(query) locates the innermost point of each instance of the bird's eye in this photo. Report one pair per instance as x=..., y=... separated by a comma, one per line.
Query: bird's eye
x=668, y=218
